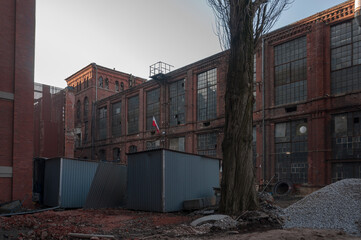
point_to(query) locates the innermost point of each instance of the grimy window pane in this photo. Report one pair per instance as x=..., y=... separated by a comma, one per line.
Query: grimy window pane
x=207, y=144
x=177, y=103
x=177, y=144
x=133, y=115
x=207, y=95
x=291, y=151
x=345, y=57
x=346, y=136
x=116, y=119
x=102, y=123
x=291, y=71
x=153, y=98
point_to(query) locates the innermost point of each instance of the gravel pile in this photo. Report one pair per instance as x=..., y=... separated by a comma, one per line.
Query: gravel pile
x=336, y=206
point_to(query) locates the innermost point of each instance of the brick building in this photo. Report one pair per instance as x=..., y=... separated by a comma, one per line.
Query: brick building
x=17, y=37
x=306, y=127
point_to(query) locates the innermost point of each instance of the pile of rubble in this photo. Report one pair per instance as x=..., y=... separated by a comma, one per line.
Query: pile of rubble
x=336, y=206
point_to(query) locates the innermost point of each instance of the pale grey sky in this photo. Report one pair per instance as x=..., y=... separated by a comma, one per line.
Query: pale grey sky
x=130, y=35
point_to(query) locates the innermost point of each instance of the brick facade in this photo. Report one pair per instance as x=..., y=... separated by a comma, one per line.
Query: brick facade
x=17, y=21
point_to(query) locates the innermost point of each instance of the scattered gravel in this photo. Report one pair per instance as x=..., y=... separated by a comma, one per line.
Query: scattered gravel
x=336, y=206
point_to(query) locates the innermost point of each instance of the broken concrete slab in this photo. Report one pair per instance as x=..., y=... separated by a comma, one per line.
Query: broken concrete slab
x=202, y=220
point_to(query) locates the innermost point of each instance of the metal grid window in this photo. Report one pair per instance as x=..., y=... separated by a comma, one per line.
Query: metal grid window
x=102, y=123
x=346, y=136
x=133, y=115
x=207, y=144
x=86, y=108
x=177, y=103
x=107, y=83
x=291, y=151
x=291, y=71
x=116, y=86
x=101, y=82
x=152, y=144
x=207, y=95
x=153, y=98
x=177, y=144
x=346, y=170
x=116, y=119
x=345, y=57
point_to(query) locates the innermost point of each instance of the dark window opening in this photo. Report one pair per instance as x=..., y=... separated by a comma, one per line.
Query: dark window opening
x=133, y=115
x=291, y=151
x=86, y=108
x=116, y=119
x=291, y=109
x=116, y=154
x=153, y=110
x=291, y=71
x=101, y=82
x=207, y=95
x=207, y=144
x=102, y=123
x=78, y=111
x=122, y=86
x=116, y=86
x=177, y=103
x=102, y=155
x=132, y=149
x=107, y=83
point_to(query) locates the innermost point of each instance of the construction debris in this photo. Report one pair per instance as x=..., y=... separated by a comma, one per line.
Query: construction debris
x=336, y=206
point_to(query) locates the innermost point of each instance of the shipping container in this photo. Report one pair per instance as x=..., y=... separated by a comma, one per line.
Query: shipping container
x=67, y=182
x=161, y=180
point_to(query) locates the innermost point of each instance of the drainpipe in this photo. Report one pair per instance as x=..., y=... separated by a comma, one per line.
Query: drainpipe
x=263, y=114
x=358, y=11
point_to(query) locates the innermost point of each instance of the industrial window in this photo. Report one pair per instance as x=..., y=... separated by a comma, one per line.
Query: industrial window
x=101, y=82
x=291, y=71
x=116, y=154
x=86, y=132
x=116, y=119
x=153, y=108
x=177, y=144
x=346, y=136
x=291, y=151
x=102, y=155
x=86, y=108
x=79, y=86
x=102, y=123
x=106, y=83
x=345, y=57
x=78, y=111
x=207, y=95
x=153, y=144
x=132, y=149
x=121, y=86
x=116, y=86
x=133, y=115
x=87, y=82
x=207, y=144
x=78, y=140
x=345, y=170
x=177, y=103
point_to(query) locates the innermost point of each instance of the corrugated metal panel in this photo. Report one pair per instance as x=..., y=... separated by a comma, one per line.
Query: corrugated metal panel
x=76, y=179
x=51, y=182
x=188, y=177
x=145, y=181
x=109, y=187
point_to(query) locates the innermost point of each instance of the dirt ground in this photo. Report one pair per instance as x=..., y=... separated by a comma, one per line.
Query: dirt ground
x=126, y=224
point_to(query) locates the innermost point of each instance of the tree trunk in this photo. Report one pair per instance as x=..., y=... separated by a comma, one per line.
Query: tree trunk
x=238, y=181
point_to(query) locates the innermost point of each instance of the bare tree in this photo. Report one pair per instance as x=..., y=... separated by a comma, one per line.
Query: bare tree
x=240, y=25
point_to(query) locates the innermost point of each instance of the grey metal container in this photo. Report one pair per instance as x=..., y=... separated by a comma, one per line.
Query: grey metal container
x=160, y=180
x=67, y=182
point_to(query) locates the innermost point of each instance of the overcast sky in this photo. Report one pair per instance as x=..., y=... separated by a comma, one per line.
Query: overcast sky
x=131, y=35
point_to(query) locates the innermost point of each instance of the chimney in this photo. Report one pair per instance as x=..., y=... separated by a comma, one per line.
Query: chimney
x=358, y=12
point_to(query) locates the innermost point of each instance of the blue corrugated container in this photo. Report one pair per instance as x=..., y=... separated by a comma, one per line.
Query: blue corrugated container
x=67, y=182
x=160, y=180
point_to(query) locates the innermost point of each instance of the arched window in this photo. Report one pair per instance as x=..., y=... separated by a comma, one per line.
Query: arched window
x=100, y=82
x=121, y=86
x=116, y=86
x=78, y=110
x=87, y=82
x=116, y=154
x=107, y=83
x=86, y=108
